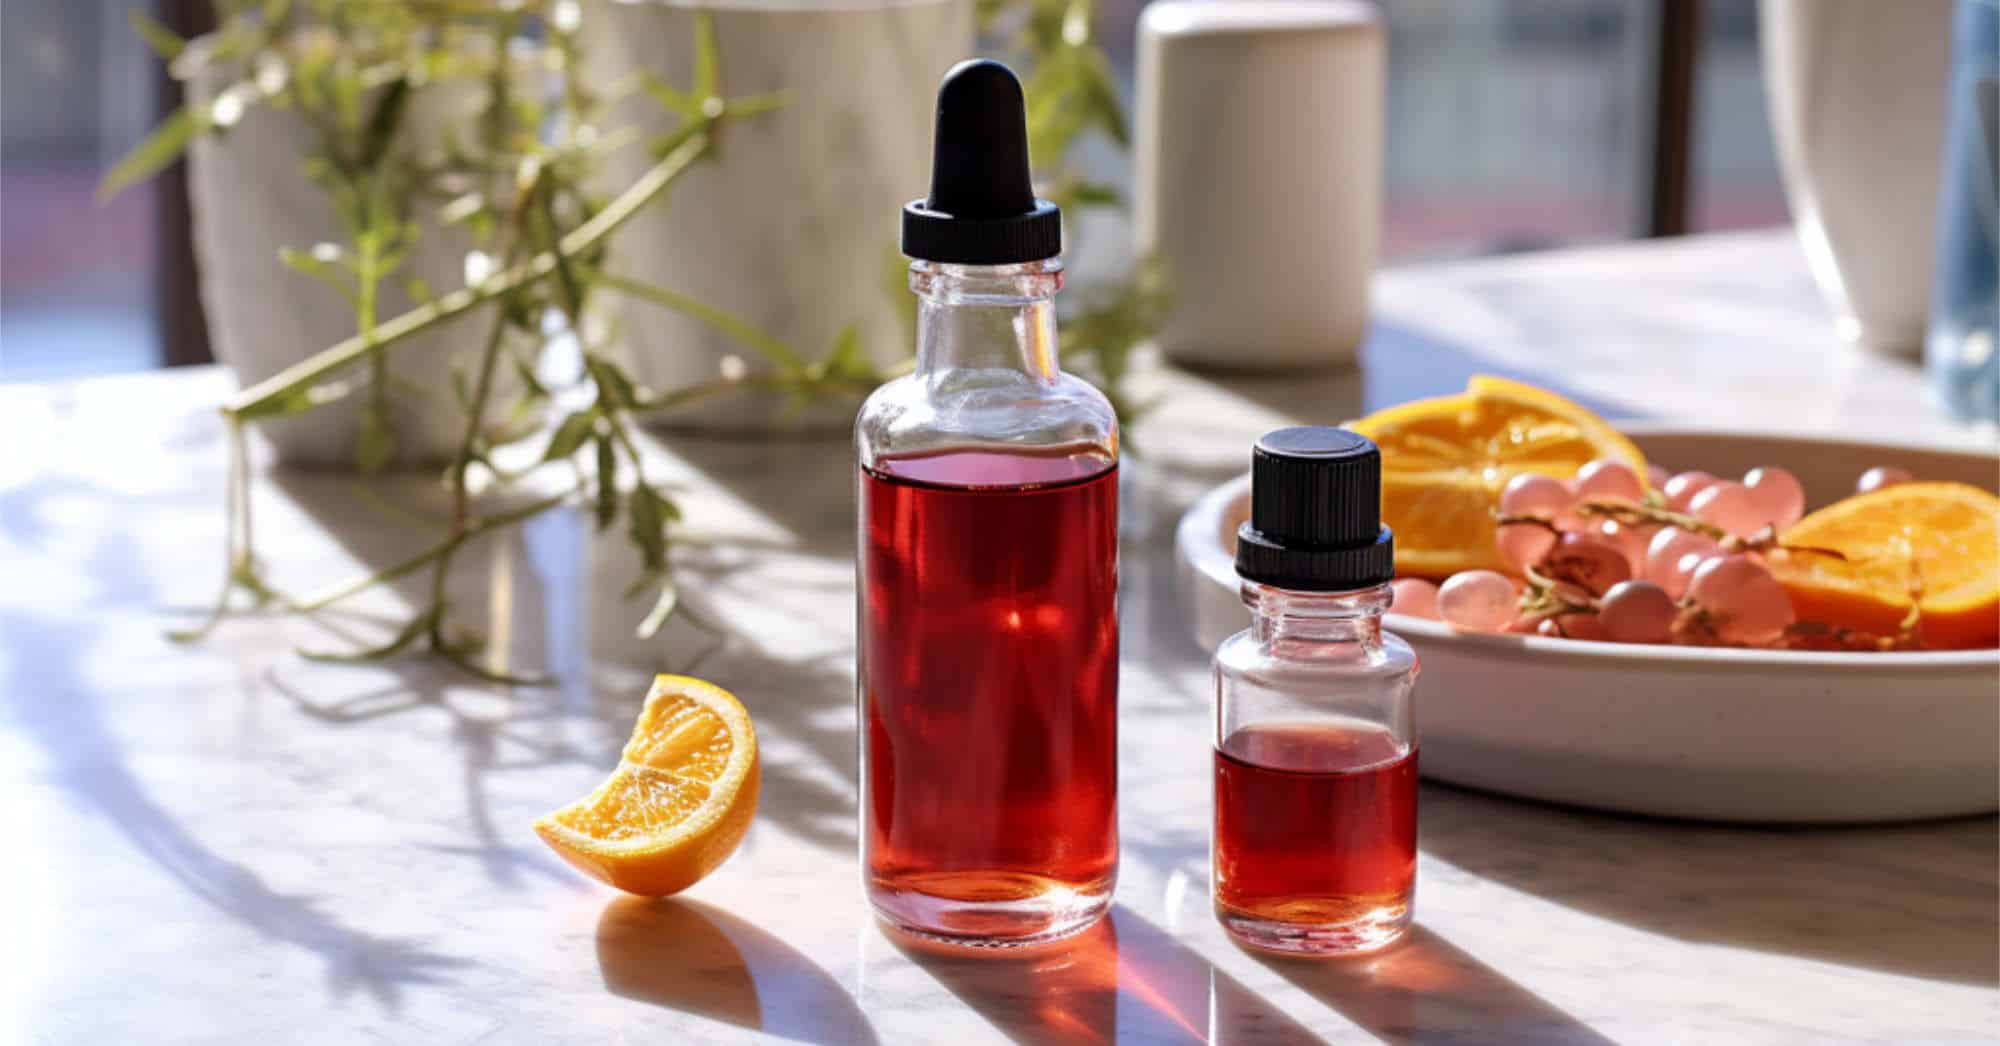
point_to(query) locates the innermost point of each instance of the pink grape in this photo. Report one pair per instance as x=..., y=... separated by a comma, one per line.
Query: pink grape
x=1522, y=545
x=1730, y=506
x=1744, y=602
x=1673, y=555
x=1777, y=495
x=1571, y=626
x=1638, y=612
x=1414, y=597
x=1656, y=477
x=1629, y=539
x=1681, y=490
x=1529, y=494
x=1881, y=476
x=1588, y=560
x=1477, y=601
x=1605, y=478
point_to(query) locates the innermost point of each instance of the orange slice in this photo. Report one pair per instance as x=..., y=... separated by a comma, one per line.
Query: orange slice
x=678, y=804
x=1931, y=546
x=1445, y=461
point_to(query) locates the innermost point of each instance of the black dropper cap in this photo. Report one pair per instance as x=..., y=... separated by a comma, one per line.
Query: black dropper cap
x=982, y=208
x=1315, y=513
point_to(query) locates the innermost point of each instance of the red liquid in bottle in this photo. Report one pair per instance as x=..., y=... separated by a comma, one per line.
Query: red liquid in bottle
x=1315, y=834
x=989, y=691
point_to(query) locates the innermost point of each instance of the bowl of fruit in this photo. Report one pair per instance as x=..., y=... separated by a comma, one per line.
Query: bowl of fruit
x=1673, y=621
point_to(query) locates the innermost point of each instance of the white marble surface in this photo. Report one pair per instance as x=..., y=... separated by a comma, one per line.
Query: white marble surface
x=226, y=843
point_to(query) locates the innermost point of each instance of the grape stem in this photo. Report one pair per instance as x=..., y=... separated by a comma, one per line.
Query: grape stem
x=1764, y=540
x=1545, y=597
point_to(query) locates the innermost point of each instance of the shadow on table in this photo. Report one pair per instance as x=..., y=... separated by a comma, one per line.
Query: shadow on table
x=546, y=597
x=56, y=703
x=1123, y=980
x=1919, y=899
x=693, y=958
x=1426, y=989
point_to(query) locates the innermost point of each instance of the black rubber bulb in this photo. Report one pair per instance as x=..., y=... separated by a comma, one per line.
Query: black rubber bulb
x=979, y=160
x=982, y=208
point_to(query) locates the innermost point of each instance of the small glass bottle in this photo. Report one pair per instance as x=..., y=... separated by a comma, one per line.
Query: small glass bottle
x=1315, y=838
x=987, y=682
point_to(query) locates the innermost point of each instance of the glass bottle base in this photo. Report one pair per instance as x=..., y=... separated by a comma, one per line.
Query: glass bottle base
x=988, y=909
x=1367, y=931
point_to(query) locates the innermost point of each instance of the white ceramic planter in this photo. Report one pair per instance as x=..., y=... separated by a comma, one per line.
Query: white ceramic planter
x=793, y=225
x=1857, y=93
x=250, y=196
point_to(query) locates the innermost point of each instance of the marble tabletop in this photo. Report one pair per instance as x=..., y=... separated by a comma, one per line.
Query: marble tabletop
x=225, y=842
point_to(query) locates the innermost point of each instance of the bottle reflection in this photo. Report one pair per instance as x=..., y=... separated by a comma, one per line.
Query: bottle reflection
x=1123, y=980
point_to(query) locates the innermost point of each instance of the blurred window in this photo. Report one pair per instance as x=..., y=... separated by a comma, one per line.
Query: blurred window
x=77, y=89
x=1513, y=125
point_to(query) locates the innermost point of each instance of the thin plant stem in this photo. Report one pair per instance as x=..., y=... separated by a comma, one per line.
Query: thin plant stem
x=264, y=395
x=444, y=546
x=773, y=349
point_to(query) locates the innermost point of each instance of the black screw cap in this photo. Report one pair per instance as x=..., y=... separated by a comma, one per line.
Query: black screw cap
x=982, y=208
x=1315, y=513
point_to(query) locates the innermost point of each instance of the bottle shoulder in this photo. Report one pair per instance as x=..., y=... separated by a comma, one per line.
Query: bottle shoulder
x=1245, y=656
x=971, y=408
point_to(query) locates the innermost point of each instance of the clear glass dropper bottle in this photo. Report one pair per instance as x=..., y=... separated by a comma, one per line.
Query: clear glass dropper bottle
x=987, y=569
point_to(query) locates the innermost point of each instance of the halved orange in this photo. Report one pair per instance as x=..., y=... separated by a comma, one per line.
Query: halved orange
x=678, y=804
x=1931, y=546
x=1445, y=461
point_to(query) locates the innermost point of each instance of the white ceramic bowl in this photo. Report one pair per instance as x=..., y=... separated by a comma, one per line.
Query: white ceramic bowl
x=1714, y=734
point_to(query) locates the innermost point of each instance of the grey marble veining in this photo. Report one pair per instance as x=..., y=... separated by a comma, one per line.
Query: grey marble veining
x=224, y=842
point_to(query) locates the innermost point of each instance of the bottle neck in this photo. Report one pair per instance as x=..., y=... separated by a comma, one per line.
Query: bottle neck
x=987, y=317
x=1279, y=615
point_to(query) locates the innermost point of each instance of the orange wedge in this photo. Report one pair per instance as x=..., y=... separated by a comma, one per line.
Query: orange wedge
x=678, y=804
x=1445, y=461
x=1931, y=547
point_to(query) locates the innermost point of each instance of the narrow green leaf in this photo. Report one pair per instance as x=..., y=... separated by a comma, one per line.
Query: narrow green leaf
x=165, y=42
x=569, y=435
x=781, y=355
x=647, y=526
x=758, y=104
x=614, y=385
x=846, y=361
x=160, y=149
x=1095, y=194
x=524, y=369
x=663, y=608
x=1101, y=98
x=670, y=97
x=326, y=272
x=607, y=482
x=707, y=58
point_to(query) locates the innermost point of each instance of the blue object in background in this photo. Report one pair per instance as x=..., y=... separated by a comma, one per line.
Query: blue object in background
x=1960, y=350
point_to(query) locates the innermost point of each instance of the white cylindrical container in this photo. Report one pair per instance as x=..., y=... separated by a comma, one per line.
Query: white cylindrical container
x=1259, y=176
x=1857, y=94
x=790, y=223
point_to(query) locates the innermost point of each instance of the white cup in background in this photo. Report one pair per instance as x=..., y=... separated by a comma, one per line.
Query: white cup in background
x=1259, y=176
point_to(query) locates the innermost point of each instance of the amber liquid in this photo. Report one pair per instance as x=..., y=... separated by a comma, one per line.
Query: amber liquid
x=1315, y=835
x=989, y=693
